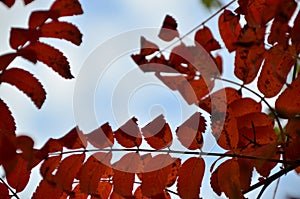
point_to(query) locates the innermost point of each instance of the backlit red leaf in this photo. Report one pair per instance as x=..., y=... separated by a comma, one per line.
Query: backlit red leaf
x=295, y=33
x=124, y=171
x=147, y=47
x=229, y=28
x=38, y=18
x=51, y=57
x=67, y=171
x=67, y=7
x=190, y=132
x=156, y=170
x=6, y=59
x=8, y=3
x=18, y=177
x=287, y=104
x=101, y=137
x=96, y=167
x=129, y=134
x=25, y=82
x=169, y=29
x=4, y=193
x=293, y=129
x=205, y=38
x=278, y=63
x=158, y=133
x=48, y=166
x=19, y=36
x=139, y=195
x=7, y=122
x=74, y=139
x=229, y=179
x=61, y=30
x=45, y=189
x=103, y=190
x=77, y=194
x=190, y=177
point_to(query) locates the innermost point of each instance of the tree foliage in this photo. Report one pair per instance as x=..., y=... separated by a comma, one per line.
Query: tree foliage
x=248, y=136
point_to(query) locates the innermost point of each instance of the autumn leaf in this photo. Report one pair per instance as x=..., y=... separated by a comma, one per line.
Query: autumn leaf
x=103, y=190
x=77, y=194
x=48, y=166
x=205, y=38
x=61, y=30
x=6, y=59
x=190, y=132
x=139, y=195
x=292, y=130
x=294, y=33
x=74, y=139
x=4, y=193
x=158, y=133
x=25, y=82
x=147, y=47
x=67, y=171
x=39, y=17
x=101, y=137
x=19, y=37
x=8, y=3
x=7, y=122
x=129, y=135
x=51, y=57
x=67, y=7
x=124, y=170
x=229, y=28
x=46, y=189
x=287, y=104
x=169, y=29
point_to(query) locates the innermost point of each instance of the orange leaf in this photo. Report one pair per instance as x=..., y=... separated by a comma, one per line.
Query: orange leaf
x=45, y=189
x=276, y=67
x=190, y=177
x=6, y=59
x=156, y=170
x=61, y=30
x=74, y=139
x=4, y=193
x=229, y=28
x=19, y=36
x=174, y=172
x=169, y=29
x=205, y=38
x=101, y=137
x=190, y=132
x=287, y=104
x=18, y=177
x=147, y=47
x=77, y=194
x=139, y=195
x=67, y=7
x=158, y=133
x=48, y=166
x=229, y=179
x=124, y=171
x=67, y=171
x=96, y=167
x=38, y=18
x=25, y=82
x=129, y=134
x=292, y=130
x=103, y=190
x=246, y=169
x=7, y=122
x=51, y=57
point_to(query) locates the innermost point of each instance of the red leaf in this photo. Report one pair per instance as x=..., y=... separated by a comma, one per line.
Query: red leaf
x=102, y=137
x=77, y=194
x=4, y=193
x=129, y=134
x=190, y=132
x=292, y=130
x=295, y=33
x=96, y=167
x=287, y=104
x=6, y=59
x=67, y=7
x=158, y=133
x=48, y=166
x=8, y=3
x=45, y=189
x=7, y=146
x=67, y=171
x=62, y=30
x=25, y=82
x=169, y=29
x=147, y=47
x=124, y=171
x=25, y=144
x=229, y=28
x=246, y=169
x=7, y=122
x=74, y=139
x=103, y=190
x=156, y=170
x=26, y=2
x=229, y=179
x=214, y=182
x=38, y=18
x=19, y=36
x=179, y=55
x=51, y=146
x=276, y=67
x=190, y=178
x=51, y=57
x=205, y=38
x=139, y=195
x=18, y=176
x=172, y=177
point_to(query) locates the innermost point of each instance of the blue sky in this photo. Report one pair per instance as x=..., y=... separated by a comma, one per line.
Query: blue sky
x=101, y=21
